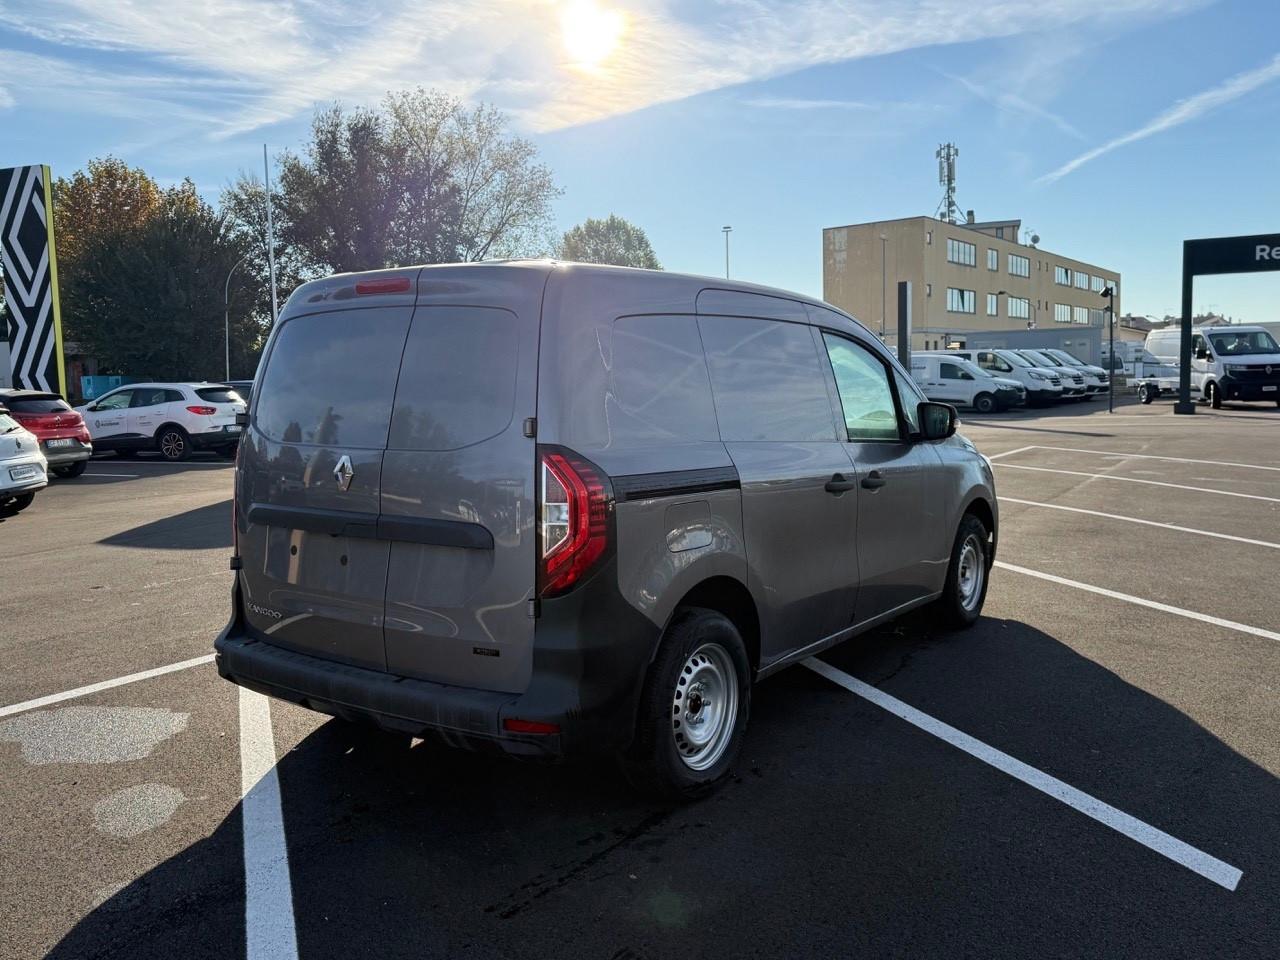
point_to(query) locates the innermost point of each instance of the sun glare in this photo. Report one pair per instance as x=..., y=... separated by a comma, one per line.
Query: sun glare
x=590, y=32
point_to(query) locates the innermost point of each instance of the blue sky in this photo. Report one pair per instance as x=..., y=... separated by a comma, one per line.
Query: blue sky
x=1113, y=128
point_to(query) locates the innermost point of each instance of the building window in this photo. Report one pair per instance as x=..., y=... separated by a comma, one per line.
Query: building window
x=1080, y=315
x=961, y=301
x=1062, y=275
x=1062, y=313
x=1097, y=284
x=965, y=254
x=1082, y=281
x=1019, y=266
x=999, y=233
x=993, y=259
x=1096, y=318
x=928, y=236
x=993, y=305
x=1019, y=308
x=928, y=289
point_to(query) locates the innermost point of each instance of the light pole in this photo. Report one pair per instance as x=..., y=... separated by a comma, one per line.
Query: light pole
x=226, y=313
x=1110, y=296
x=726, y=231
x=884, y=284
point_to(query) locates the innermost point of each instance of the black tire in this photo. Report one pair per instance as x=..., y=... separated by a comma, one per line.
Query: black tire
x=20, y=502
x=71, y=470
x=1145, y=394
x=656, y=764
x=961, y=605
x=1214, y=395
x=984, y=403
x=173, y=443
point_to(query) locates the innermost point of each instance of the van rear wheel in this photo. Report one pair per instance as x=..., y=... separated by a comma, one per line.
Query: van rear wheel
x=966, y=587
x=694, y=708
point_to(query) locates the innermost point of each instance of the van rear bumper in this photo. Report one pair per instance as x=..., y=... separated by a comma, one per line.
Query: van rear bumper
x=591, y=653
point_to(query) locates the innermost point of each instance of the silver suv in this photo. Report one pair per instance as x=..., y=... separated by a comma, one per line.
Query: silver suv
x=561, y=509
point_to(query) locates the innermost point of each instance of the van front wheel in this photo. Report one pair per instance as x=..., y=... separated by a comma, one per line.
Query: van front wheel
x=984, y=403
x=1214, y=394
x=694, y=708
x=966, y=587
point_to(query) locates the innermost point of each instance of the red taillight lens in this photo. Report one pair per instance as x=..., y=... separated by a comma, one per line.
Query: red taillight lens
x=366, y=288
x=203, y=411
x=513, y=725
x=574, y=504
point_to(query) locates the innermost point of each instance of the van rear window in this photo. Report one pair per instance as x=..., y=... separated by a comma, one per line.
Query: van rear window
x=219, y=395
x=458, y=378
x=331, y=376
x=660, y=382
x=35, y=404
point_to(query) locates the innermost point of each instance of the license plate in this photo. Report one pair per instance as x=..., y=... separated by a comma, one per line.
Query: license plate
x=232, y=428
x=60, y=442
x=1268, y=389
x=22, y=473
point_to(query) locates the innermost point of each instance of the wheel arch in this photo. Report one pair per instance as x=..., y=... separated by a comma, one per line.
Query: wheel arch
x=730, y=597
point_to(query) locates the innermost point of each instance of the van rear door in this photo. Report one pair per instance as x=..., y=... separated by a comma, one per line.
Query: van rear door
x=314, y=571
x=458, y=481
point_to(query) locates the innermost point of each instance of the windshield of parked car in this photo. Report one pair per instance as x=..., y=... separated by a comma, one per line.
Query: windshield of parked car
x=37, y=405
x=1040, y=360
x=1239, y=344
x=1066, y=358
x=1016, y=360
x=8, y=424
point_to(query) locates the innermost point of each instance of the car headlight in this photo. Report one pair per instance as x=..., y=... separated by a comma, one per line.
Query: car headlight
x=1037, y=375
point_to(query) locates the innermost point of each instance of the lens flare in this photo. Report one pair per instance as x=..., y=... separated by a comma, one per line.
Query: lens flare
x=590, y=33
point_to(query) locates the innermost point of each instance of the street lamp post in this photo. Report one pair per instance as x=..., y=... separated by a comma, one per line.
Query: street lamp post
x=1110, y=296
x=226, y=314
x=884, y=284
x=726, y=231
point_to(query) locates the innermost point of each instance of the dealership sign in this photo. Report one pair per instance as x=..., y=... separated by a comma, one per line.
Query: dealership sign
x=1232, y=254
x=30, y=265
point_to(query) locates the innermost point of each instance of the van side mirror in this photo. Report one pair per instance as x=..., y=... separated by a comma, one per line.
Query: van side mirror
x=1202, y=353
x=937, y=420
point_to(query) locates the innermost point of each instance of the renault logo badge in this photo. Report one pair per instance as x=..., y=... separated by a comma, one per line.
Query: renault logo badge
x=343, y=473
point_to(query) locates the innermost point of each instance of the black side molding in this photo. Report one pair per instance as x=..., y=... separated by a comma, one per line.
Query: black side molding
x=372, y=526
x=675, y=483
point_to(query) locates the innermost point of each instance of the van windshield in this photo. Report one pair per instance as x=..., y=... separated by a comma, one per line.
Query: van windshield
x=1066, y=358
x=1016, y=360
x=1239, y=344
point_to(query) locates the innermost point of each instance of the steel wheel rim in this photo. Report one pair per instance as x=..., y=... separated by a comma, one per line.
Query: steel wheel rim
x=704, y=706
x=971, y=572
x=171, y=445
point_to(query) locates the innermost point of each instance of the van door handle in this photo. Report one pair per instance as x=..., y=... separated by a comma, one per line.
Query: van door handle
x=873, y=481
x=838, y=484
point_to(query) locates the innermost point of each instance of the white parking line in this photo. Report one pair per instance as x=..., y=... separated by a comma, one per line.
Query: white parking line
x=1009, y=453
x=104, y=685
x=1148, y=456
x=270, y=932
x=1148, y=523
x=113, y=476
x=1154, y=483
x=1143, y=602
x=1209, y=867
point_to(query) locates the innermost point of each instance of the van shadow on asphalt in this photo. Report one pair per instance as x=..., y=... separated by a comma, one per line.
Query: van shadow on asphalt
x=844, y=832
x=204, y=528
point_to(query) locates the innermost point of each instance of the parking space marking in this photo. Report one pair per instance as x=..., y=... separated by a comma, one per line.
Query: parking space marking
x=1149, y=456
x=1010, y=453
x=1142, y=602
x=1148, y=523
x=113, y=476
x=1154, y=483
x=104, y=685
x=270, y=932
x=1194, y=859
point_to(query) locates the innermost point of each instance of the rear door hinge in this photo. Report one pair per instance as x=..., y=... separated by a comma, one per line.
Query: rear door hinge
x=530, y=427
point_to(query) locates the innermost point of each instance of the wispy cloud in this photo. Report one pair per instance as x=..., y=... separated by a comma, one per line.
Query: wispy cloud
x=791, y=103
x=6, y=99
x=1181, y=112
x=1013, y=103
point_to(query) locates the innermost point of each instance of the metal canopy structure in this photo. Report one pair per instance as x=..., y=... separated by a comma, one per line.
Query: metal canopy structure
x=1217, y=255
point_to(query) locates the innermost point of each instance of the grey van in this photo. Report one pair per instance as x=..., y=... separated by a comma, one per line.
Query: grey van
x=562, y=510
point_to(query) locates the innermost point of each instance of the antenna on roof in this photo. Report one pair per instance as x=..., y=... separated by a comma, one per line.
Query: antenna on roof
x=948, y=210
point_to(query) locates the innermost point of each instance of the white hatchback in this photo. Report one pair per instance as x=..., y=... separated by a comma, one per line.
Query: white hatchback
x=23, y=469
x=174, y=418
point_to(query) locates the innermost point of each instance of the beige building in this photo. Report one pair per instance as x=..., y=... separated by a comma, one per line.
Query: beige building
x=964, y=277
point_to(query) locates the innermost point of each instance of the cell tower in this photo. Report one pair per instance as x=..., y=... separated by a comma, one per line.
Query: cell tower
x=947, y=210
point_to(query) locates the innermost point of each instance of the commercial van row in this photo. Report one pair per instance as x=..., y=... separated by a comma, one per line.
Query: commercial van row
x=997, y=379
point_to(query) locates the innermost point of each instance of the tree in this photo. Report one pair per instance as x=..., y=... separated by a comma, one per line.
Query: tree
x=153, y=295
x=421, y=180
x=612, y=240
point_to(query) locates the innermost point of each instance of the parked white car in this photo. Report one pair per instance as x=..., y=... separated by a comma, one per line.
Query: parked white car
x=964, y=384
x=1074, y=383
x=24, y=472
x=174, y=418
x=1041, y=385
x=1096, y=379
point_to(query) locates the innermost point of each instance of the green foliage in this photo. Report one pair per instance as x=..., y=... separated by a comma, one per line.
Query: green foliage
x=612, y=240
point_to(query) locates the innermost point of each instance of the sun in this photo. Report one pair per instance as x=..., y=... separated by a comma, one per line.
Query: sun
x=590, y=32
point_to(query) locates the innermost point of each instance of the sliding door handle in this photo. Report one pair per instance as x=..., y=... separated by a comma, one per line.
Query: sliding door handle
x=873, y=481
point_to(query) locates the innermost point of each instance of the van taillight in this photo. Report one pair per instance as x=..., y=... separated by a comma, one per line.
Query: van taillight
x=574, y=504
x=365, y=288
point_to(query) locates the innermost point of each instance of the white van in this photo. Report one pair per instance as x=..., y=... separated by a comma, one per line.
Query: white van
x=1096, y=379
x=1041, y=385
x=1228, y=361
x=961, y=383
x=1074, y=383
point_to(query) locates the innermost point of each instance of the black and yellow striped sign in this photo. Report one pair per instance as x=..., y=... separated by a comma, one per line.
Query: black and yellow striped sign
x=30, y=263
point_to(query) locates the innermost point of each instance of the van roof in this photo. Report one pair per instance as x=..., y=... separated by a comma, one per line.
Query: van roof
x=694, y=282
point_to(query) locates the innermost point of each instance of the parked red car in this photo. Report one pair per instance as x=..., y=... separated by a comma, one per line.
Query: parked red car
x=64, y=438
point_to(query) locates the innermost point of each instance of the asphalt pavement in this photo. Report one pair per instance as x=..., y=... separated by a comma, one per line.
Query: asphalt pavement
x=1090, y=771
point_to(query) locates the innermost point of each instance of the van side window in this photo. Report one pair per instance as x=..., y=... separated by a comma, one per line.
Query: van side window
x=457, y=380
x=949, y=371
x=330, y=377
x=766, y=379
x=865, y=392
x=660, y=382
